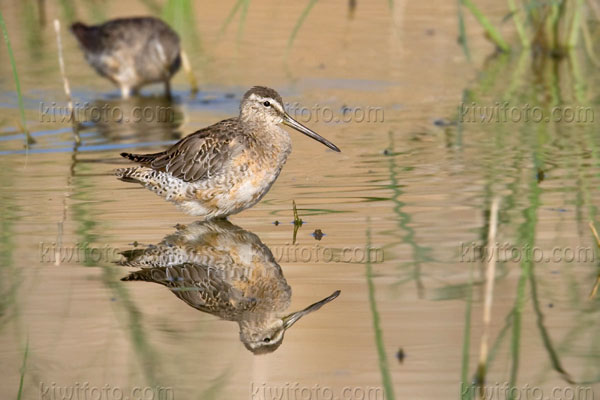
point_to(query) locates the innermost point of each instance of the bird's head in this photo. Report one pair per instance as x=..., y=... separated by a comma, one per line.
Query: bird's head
x=262, y=105
x=262, y=336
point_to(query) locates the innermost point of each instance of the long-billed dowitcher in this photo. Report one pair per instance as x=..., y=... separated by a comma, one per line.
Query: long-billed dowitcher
x=227, y=167
x=131, y=52
x=224, y=270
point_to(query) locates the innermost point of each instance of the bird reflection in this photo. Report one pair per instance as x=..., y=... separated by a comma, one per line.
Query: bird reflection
x=224, y=270
x=150, y=118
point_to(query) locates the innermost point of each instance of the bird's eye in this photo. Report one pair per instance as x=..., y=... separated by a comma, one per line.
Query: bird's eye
x=266, y=104
x=266, y=340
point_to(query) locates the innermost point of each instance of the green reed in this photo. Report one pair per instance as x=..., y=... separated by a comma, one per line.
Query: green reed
x=299, y=23
x=552, y=27
x=85, y=217
x=464, y=374
x=180, y=15
x=28, y=139
x=383, y=364
x=420, y=254
x=492, y=32
x=23, y=369
x=243, y=4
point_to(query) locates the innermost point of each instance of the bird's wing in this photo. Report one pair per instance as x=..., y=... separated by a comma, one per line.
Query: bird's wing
x=196, y=156
x=200, y=286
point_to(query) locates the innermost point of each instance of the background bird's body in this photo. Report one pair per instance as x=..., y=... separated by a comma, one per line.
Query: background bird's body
x=131, y=52
x=217, y=171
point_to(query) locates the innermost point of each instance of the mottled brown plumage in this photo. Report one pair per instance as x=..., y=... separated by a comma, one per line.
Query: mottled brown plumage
x=222, y=269
x=131, y=52
x=196, y=156
x=227, y=167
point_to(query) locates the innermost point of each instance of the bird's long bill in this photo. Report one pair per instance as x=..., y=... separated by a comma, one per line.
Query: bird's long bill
x=294, y=317
x=289, y=121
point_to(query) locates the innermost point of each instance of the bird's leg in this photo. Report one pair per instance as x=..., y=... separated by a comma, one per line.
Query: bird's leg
x=167, y=89
x=125, y=92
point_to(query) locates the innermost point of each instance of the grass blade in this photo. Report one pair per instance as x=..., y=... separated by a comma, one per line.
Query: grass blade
x=22, y=371
x=232, y=13
x=516, y=17
x=466, y=389
x=462, y=35
x=299, y=23
x=29, y=140
x=494, y=35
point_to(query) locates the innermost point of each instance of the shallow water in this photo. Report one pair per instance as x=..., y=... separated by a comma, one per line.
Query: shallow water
x=416, y=185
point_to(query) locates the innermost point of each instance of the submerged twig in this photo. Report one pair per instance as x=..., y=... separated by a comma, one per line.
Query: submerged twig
x=489, y=291
x=66, y=85
x=595, y=233
x=187, y=67
x=597, y=284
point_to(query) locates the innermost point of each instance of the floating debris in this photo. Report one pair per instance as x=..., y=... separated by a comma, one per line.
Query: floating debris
x=540, y=175
x=297, y=222
x=276, y=223
x=400, y=355
x=443, y=122
x=318, y=234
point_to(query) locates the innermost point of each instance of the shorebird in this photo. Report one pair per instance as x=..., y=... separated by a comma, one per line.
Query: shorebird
x=131, y=52
x=224, y=270
x=227, y=167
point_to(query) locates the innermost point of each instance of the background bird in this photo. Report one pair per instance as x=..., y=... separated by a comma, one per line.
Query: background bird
x=227, y=167
x=131, y=52
x=224, y=270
